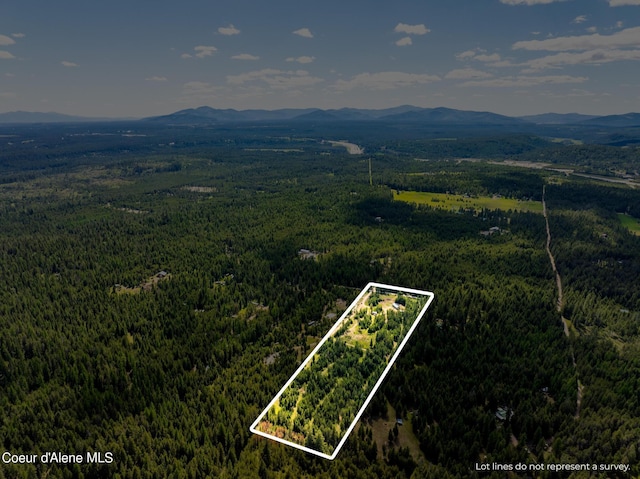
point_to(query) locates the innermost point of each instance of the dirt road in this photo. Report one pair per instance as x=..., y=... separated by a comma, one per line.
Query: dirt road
x=560, y=303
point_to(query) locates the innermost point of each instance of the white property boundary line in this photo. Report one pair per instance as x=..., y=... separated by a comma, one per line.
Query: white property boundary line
x=331, y=332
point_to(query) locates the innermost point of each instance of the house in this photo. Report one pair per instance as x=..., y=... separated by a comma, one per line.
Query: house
x=491, y=231
x=503, y=413
x=304, y=253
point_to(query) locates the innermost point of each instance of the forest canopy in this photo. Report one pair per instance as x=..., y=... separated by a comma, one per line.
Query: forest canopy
x=157, y=291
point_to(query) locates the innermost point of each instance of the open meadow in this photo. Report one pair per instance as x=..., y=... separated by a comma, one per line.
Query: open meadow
x=454, y=203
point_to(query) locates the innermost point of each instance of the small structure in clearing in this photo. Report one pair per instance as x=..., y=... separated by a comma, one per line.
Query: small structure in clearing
x=304, y=253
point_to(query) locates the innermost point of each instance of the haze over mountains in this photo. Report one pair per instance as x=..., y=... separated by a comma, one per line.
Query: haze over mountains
x=400, y=114
x=49, y=117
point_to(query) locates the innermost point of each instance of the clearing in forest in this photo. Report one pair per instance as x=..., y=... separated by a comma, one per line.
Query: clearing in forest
x=321, y=403
x=452, y=202
x=631, y=223
x=144, y=286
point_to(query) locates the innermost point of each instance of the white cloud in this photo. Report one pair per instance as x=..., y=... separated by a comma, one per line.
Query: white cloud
x=18, y=35
x=404, y=41
x=619, y=24
x=467, y=74
x=276, y=79
x=479, y=55
x=592, y=29
x=525, y=81
x=580, y=92
x=185, y=55
x=303, y=32
x=620, y=3
x=5, y=40
x=579, y=19
x=245, y=56
x=385, y=81
x=529, y=2
x=204, y=51
x=466, y=55
x=5, y=55
x=574, y=92
x=629, y=37
x=419, y=29
x=157, y=79
x=302, y=59
x=590, y=57
x=494, y=57
x=68, y=64
x=230, y=30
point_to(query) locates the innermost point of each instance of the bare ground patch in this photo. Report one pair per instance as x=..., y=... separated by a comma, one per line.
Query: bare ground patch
x=406, y=437
x=144, y=286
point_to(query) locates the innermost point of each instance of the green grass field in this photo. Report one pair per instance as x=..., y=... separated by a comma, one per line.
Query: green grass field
x=631, y=223
x=455, y=202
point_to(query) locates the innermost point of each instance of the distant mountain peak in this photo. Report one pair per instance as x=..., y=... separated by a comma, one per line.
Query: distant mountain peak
x=620, y=121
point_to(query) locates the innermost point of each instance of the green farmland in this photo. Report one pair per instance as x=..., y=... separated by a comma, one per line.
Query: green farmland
x=455, y=202
x=631, y=223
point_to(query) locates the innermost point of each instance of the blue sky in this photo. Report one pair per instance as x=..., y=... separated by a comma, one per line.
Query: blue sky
x=150, y=57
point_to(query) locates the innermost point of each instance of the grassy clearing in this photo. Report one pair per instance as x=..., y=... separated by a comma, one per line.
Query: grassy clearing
x=69, y=185
x=629, y=222
x=566, y=141
x=455, y=202
x=357, y=336
x=144, y=286
x=406, y=437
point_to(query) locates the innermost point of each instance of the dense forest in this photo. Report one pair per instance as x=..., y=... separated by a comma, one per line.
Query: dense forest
x=154, y=299
x=319, y=406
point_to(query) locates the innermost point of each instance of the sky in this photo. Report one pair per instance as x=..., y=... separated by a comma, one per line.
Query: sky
x=152, y=57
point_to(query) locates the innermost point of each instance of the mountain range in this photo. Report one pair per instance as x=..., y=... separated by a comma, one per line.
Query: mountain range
x=205, y=115
x=404, y=113
x=399, y=114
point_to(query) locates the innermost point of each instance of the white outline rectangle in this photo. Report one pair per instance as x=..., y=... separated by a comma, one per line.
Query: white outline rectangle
x=331, y=332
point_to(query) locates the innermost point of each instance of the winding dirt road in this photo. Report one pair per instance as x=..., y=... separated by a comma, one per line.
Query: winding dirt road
x=560, y=303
